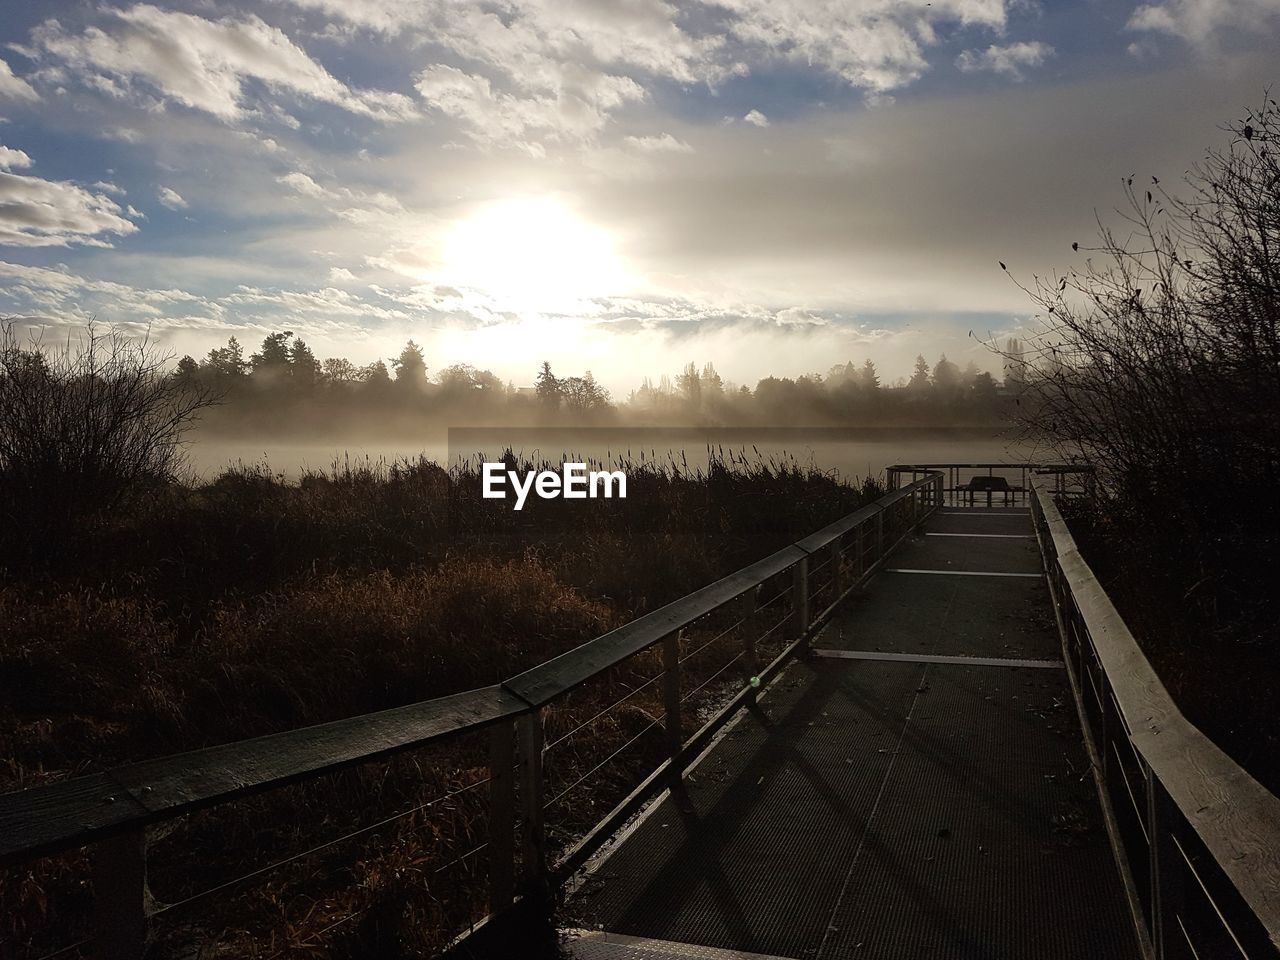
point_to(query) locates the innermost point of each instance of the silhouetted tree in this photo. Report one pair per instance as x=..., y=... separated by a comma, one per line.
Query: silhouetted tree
x=920, y=381
x=339, y=371
x=85, y=426
x=375, y=375
x=188, y=371
x=272, y=361
x=1015, y=365
x=868, y=379
x=303, y=366
x=411, y=367
x=1159, y=360
x=548, y=388
x=946, y=375
x=227, y=365
x=689, y=383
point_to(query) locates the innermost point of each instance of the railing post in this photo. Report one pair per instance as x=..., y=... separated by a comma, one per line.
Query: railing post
x=119, y=896
x=837, y=575
x=879, y=535
x=502, y=817
x=800, y=596
x=671, y=695
x=750, y=603
x=860, y=540
x=533, y=852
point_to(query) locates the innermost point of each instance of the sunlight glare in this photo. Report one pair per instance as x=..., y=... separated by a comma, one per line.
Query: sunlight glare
x=532, y=255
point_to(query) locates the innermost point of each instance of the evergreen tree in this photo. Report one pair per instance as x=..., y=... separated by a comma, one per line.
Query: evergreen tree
x=920, y=376
x=411, y=367
x=375, y=375
x=869, y=379
x=946, y=375
x=188, y=371
x=273, y=359
x=547, y=387
x=227, y=364
x=303, y=366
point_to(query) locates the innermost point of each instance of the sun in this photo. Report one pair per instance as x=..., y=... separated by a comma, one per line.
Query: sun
x=532, y=255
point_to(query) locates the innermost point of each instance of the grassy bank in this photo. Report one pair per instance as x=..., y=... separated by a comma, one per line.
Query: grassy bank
x=197, y=614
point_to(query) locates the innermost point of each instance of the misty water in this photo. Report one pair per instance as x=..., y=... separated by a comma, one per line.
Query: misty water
x=851, y=452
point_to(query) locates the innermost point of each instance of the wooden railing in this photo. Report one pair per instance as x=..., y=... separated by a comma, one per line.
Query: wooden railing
x=1197, y=839
x=111, y=812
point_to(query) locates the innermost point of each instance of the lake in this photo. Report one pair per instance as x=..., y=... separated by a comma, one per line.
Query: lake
x=851, y=452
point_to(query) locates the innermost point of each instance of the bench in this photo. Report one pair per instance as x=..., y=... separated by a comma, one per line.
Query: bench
x=990, y=486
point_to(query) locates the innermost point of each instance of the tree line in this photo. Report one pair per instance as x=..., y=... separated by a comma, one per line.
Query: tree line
x=286, y=370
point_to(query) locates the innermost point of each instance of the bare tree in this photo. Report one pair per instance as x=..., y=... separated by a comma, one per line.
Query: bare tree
x=1159, y=361
x=85, y=423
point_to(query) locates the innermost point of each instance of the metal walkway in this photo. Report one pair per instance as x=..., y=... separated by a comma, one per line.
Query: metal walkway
x=916, y=788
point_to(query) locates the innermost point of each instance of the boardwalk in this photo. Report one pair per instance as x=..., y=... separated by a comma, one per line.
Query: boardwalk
x=909, y=781
x=916, y=788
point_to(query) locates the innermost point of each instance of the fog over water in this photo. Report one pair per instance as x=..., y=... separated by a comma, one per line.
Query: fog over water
x=852, y=452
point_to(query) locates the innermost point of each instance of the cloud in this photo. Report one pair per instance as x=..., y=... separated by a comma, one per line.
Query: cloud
x=10, y=158
x=665, y=143
x=44, y=213
x=202, y=64
x=531, y=68
x=15, y=88
x=1007, y=61
x=875, y=45
x=1199, y=21
x=572, y=111
x=74, y=297
x=757, y=118
x=536, y=40
x=355, y=206
x=527, y=71
x=301, y=183
x=171, y=198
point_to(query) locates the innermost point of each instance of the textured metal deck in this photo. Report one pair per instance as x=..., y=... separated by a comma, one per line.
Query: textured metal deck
x=595, y=945
x=889, y=809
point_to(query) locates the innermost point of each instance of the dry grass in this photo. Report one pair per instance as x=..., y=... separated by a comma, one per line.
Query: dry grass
x=248, y=605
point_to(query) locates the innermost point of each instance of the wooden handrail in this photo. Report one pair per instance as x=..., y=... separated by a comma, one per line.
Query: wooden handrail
x=71, y=813
x=48, y=819
x=557, y=676
x=1236, y=818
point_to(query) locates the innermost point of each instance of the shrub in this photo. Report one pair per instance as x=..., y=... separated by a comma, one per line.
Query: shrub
x=83, y=426
x=1160, y=362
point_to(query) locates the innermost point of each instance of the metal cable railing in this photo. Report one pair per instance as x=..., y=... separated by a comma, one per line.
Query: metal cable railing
x=1196, y=837
x=111, y=811
x=204, y=895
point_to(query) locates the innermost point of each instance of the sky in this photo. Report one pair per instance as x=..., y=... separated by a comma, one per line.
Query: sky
x=616, y=185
